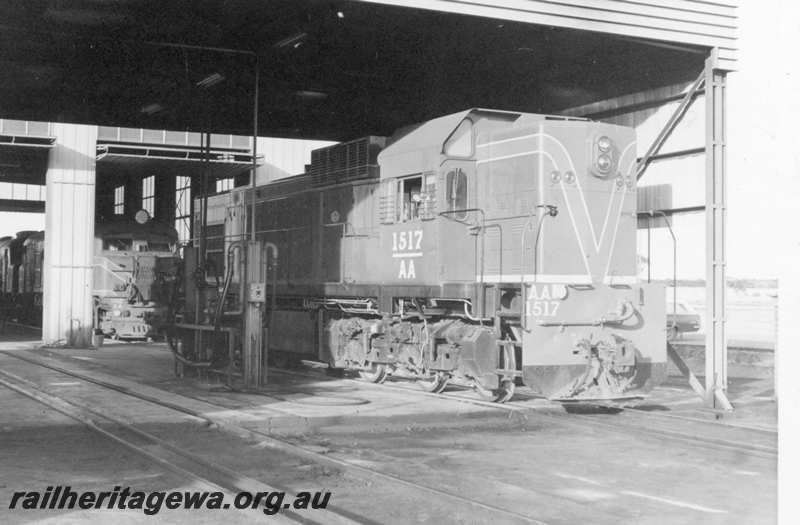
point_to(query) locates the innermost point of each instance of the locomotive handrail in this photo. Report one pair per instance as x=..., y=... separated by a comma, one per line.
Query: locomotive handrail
x=356, y=306
x=551, y=211
x=110, y=271
x=674, y=265
x=628, y=312
x=238, y=245
x=345, y=226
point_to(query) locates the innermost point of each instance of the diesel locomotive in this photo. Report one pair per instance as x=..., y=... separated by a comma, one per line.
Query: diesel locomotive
x=20, y=290
x=484, y=248
x=135, y=277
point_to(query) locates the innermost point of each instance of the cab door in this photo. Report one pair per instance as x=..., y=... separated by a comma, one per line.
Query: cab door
x=408, y=240
x=460, y=240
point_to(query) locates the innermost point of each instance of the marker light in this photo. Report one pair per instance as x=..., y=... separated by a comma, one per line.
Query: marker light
x=555, y=177
x=604, y=163
x=604, y=144
x=569, y=177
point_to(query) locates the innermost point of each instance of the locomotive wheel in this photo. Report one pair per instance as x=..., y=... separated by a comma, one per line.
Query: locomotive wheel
x=435, y=383
x=499, y=395
x=375, y=374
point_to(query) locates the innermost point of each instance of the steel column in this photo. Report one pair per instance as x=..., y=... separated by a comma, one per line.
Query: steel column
x=253, y=362
x=716, y=201
x=69, y=241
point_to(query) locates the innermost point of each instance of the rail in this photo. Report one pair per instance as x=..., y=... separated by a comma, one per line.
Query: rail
x=91, y=417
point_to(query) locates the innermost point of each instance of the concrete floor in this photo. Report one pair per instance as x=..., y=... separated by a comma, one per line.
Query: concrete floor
x=534, y=463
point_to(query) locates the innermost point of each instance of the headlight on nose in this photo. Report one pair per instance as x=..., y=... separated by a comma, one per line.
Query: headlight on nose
x=604, y=156
x=604, y=163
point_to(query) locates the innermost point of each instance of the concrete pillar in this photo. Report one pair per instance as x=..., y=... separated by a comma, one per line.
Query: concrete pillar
x=69, y=236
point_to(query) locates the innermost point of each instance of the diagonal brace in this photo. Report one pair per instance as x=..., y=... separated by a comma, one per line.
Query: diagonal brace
x=686, y=371
x=669, y=127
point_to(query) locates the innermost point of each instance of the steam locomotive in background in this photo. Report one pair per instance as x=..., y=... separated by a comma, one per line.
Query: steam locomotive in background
x=135, y=277
x=484, y=248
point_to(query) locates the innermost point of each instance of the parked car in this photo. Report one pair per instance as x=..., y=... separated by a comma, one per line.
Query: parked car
x=681, y=319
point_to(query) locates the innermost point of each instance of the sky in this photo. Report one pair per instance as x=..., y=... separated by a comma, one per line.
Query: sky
x=762, y=155
x=763, y=152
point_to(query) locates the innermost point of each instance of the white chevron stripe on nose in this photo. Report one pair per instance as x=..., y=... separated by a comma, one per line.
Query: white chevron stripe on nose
x=560, y=153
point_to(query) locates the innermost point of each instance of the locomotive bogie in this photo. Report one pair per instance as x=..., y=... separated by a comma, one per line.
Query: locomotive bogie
x=434, y=351
x=121, y=320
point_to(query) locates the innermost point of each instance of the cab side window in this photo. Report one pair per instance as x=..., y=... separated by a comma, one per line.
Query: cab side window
x=409, y=197
x=456, y=186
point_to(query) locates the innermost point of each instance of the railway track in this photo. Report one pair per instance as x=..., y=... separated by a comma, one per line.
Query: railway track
x=215, y=477
x=636, y=421
x=171, y=456
x=629, y=421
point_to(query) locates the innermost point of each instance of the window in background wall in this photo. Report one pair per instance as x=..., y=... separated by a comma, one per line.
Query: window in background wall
x=119, y=200
x=149, y=194
x=224, y=185
x=21, y=192
x=183, y=203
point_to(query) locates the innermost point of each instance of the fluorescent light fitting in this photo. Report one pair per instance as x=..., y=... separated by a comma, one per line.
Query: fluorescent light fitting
x=151, y=109
x=210, y=80
x=311, y=94
x=291, y=40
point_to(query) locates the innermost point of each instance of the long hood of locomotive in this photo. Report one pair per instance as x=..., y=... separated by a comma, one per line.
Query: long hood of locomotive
x=592, y=239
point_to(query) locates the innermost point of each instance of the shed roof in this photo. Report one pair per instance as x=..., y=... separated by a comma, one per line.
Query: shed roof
x=711, y=24
x=345, y=69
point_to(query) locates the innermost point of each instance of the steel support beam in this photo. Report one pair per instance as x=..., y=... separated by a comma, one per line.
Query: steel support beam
x=716, y=201
x=671, y=211
x=673, y=121
x=69, y=242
